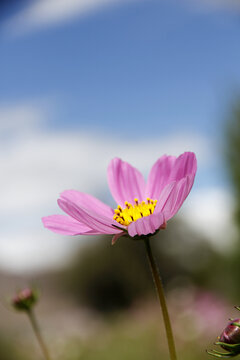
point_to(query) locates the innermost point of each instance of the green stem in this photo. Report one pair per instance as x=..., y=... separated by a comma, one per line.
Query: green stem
x=159, y=288
x=38, y=334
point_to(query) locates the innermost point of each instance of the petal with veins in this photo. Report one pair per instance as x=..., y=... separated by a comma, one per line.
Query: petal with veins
x=146, y=225
x=126, y=183
x=94, y=221
x=87, y=201
x=66, y=225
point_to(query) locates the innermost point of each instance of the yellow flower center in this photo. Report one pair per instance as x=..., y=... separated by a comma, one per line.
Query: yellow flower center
x=134, y=212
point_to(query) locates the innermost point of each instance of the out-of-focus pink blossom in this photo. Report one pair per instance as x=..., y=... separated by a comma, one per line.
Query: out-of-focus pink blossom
x=231, y=334
x=143, y=208
x=25, y=299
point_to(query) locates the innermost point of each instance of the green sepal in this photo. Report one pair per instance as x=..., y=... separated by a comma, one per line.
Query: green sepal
x=236, y=324
x=231, y=346
x=234, y=348
x=220, y=354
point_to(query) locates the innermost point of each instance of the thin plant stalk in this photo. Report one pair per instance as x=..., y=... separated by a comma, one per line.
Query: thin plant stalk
x=38, y=334
x=160, y=292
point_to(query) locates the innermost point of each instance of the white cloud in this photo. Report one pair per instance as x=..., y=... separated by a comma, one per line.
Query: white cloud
x=20, y=118
x=42, y=164
x=210, y=212
x=36, y=165
x=31, y=250
x=41, y=13
x=47, y=12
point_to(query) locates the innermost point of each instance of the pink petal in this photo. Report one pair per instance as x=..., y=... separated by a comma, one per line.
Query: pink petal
x=159, y=176
x=65, y=225
x=168, y=169
x=164, y=196
x=176, y=197
x=184, y=190
x=98, y=223
x=87, y=201
x=117, y=236
x=126, y=183
x=146, y=225
x=185, y=164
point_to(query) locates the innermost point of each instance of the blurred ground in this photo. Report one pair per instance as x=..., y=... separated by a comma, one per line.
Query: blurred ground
x=77, y=326
x=74, y=332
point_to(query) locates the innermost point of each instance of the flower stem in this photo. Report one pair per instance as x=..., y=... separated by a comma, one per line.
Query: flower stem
x=160, y=292
x=38, y=334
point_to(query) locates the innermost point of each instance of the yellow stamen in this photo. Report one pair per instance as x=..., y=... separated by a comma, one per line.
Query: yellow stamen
x=134, y=212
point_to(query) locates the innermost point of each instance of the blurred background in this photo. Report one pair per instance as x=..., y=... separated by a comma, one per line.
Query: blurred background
x=81, y=82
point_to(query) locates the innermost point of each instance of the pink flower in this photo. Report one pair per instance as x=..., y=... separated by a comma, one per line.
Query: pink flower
x=143, y=208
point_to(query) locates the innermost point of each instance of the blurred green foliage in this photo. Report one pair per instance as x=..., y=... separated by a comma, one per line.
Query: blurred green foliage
x=128, y=336
x=8, y=351
x=126, y=341
x=233, y=154
x=109, y=278
x=132, y=338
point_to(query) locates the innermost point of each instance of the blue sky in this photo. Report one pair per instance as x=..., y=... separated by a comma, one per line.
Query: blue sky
x=136, y=69
x=111, y=80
